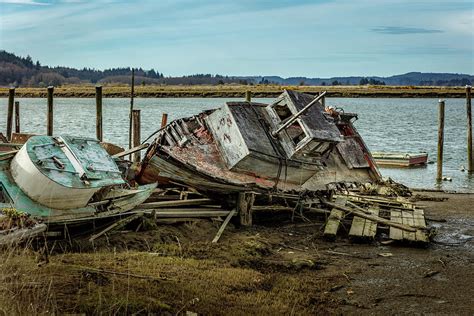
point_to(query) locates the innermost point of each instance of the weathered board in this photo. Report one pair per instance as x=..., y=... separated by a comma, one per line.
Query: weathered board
x=413, y=218
x=334, y=219
x=363, y=227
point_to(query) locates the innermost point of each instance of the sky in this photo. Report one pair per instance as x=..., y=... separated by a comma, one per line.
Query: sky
x=289, y=38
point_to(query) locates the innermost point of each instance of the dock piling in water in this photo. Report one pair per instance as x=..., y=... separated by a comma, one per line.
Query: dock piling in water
x=17, y=117
x=11, y=100
x=132, y=94
x=98, y=106
x=164, y=119
x=470, y=158
x=136, y=134
x=439, y=174
x=248, y=96
x=49, y=129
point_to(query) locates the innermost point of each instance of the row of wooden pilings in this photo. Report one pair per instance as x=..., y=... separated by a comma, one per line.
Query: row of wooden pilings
x=14, y=109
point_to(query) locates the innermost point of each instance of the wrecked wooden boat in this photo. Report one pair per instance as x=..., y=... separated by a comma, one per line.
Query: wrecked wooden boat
x=294, y=144
x=64, y=179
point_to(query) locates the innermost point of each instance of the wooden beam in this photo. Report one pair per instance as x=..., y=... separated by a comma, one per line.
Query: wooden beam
x=161, y=204
x=335, y=217
x=223, y=226
x=130, y=151
x=116, y=225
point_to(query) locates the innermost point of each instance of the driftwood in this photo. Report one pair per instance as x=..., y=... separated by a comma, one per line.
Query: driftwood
x=371, y=217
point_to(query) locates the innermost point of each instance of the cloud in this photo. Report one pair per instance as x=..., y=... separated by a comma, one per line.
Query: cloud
x=27, y=2
x=400, y=30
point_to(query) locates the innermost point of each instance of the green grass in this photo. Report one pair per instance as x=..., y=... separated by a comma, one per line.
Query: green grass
x=231, y=90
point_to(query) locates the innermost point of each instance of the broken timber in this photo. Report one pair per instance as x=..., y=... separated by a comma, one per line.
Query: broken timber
x=223, y=226
x=364, y=228
x=407, y=222
x=332, y=225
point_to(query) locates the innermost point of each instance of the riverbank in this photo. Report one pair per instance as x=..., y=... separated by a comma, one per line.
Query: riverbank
x=276, y=267
x=230, y=91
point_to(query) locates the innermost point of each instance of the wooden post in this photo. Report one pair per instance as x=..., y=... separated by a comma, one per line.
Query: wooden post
x=164, y=120
x=470, y=157
x=132, y=94
x=248, y=96
x=98, y=107
x=244, y=207
x=11, y=101
x=439, y=174
x=49, y=128
x=17, y=117
x=136, y=133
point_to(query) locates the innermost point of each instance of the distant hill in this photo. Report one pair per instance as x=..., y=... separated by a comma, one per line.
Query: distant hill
x=23, y=71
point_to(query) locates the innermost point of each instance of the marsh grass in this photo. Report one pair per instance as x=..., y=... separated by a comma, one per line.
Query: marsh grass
x=231, y=90
x=164, y=278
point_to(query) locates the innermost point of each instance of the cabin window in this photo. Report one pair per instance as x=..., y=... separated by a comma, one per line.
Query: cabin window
x=296, y=133
x=282, y=110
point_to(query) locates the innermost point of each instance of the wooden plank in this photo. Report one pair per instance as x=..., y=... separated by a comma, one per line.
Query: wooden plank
x=334, y=219
x=363, y=227
x=115, y=225
x=396, y=217
x=371, y=217
x=177, y=213
x=407, y=219
x=419, y=220
x=223, y=226
x=174, y=203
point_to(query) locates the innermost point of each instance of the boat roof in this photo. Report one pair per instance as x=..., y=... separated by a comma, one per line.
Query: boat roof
x=73, y=161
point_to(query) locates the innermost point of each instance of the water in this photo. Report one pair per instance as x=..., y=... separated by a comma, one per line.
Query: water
x=408, y=125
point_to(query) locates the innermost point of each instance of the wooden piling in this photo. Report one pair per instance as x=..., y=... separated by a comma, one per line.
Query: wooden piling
x=17, y=117
x=245, y=203
x=11, y=101
x=136, y=133
x=98, y=107
x=49, y=127
x=132, y=94
x=470, y=157
x=248, y=96
x=439, y=174
x=164, y=120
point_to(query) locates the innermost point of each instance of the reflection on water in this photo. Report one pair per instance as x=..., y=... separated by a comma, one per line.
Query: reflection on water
x=407, y=125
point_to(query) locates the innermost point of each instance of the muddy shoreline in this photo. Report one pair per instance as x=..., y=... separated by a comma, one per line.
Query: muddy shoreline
x=278, y=266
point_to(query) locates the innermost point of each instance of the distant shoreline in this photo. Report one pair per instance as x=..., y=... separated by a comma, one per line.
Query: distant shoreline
x=238, y=91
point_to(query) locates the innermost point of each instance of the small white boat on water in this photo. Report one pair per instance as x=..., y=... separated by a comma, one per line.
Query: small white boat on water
x=400, y=159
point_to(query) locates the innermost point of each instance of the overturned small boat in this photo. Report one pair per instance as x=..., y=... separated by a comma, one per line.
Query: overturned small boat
x=60, y=180
x=294, y=144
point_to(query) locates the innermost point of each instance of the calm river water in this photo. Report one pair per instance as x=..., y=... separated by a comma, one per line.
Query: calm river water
x=385, y=124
